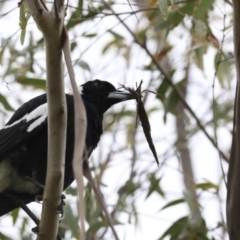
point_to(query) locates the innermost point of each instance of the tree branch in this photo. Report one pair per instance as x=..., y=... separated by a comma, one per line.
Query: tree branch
x=80, y=122
x=182, y=146
x=233, y=184
x=169, y=80
x=51, y=24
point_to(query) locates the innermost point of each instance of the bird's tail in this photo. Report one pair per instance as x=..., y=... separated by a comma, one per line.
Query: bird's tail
x=6, y=205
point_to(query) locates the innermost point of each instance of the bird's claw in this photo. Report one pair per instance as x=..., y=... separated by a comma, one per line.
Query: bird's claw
x=60, y=208
x=38, y=198
x=36, y=231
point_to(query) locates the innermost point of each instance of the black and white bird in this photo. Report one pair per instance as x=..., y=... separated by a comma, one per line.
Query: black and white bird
x=23, y=142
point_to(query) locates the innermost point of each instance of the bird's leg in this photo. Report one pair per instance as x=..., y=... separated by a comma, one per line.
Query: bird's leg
x=39, y=198
x=60, y=208
x=22, y=205
x=38, y=184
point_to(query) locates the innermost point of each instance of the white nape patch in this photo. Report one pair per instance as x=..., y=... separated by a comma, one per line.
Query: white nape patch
x=36, y=123
x=9, y=179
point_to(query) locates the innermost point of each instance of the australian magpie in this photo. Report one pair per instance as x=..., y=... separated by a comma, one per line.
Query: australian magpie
x=23, y=142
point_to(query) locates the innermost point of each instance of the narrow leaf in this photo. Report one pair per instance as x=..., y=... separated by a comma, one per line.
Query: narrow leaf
x=207, y=186
x=116, y=35
x=84, y=65
x=23, y=17
x=163, y=6
x=5, y=103
x=173, y=203
x=33, y=82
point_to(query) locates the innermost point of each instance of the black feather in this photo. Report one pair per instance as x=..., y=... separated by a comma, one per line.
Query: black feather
x=23, y=151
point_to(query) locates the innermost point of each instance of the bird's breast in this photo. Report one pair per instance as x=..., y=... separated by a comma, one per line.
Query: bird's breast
x=10, y=179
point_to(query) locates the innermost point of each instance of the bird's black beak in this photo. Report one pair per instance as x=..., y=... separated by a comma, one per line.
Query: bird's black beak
x=120, y=95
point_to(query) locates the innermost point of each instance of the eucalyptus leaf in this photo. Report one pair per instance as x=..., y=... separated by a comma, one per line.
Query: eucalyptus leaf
x=5, y=103
x=163, y=6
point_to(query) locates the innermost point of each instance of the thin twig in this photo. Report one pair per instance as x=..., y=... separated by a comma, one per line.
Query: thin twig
x=214, y=103
x=80, y=134
x=169, y=80
x=88, y=175
x=143, y=117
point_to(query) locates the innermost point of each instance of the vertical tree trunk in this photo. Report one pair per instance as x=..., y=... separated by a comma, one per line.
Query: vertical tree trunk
x=233, y=184
x=182, y=146
x=51, y=25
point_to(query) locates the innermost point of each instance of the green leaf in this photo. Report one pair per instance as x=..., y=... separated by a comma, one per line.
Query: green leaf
x=164, y=87
x=176, y=228
x=223, y=69
x=5, y=103
x=33, y=82
x=163, y=6
x=199, y=53
x=171, y=101
x=128, y=188
x=199, y=31
x=155, y=186
x=90, y=35
x=76, y=16
x=28, y=237
x=176, y=18
x=173, y=203
x=73, y=46
x=71, y=220
x=170, y=104
x=162, y=90
x=24, y=224
x=96, y=226
x=23, y=17
x=149, y=67
x=203, y=8
x=14, y=215
x=71, y=191
x=207, y=186
x=84, y=65
x=1, y=54
x=116, y=35
x=109, y=45
x=4, y=237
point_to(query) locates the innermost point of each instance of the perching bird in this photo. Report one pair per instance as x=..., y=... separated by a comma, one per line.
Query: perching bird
x=23, y=142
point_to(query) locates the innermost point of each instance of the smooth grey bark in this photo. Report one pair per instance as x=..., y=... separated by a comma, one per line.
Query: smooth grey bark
x=50, y=24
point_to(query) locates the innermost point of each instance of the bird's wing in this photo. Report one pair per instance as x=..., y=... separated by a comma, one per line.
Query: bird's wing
x=27, y=121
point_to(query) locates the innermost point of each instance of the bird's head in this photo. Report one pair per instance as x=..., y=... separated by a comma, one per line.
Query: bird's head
x=104, y=93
